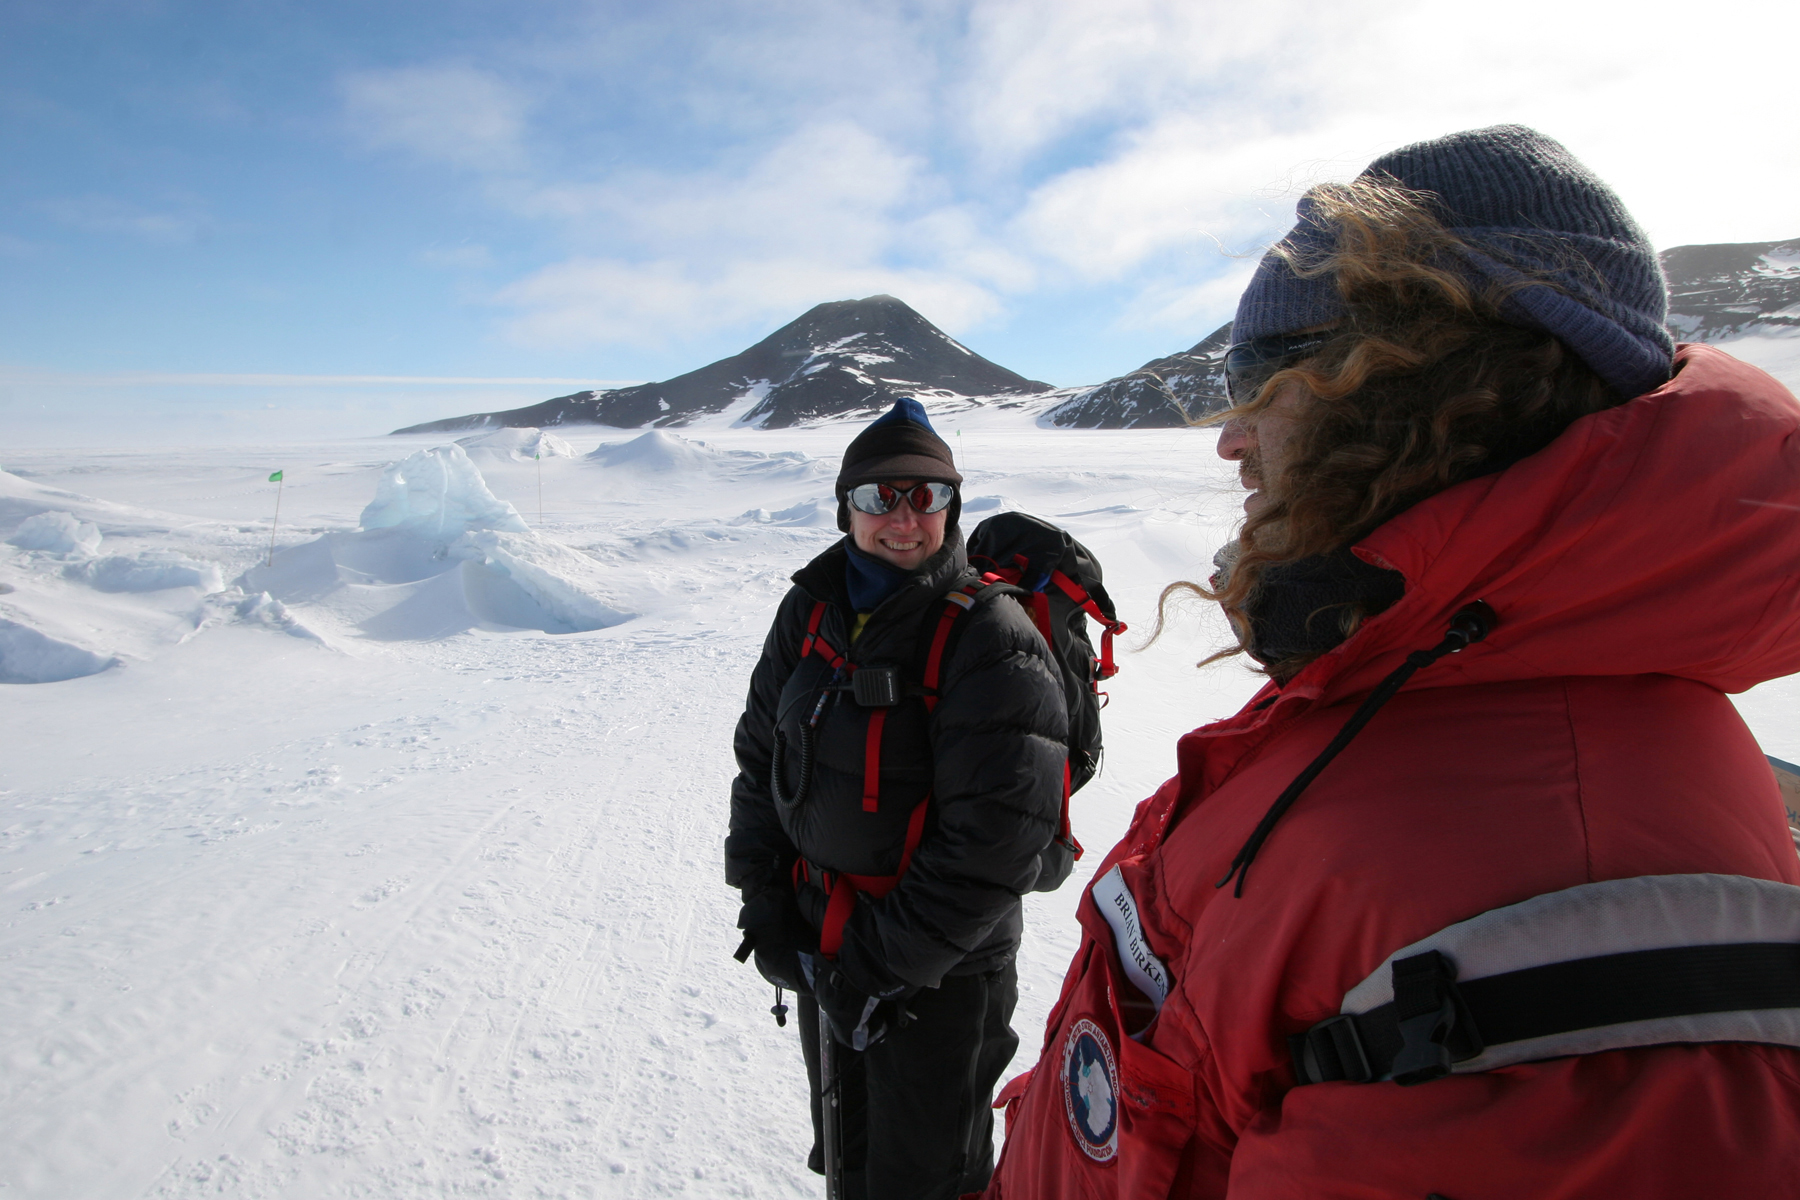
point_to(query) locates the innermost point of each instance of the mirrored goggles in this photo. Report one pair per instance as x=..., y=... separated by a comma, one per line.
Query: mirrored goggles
x=1248, y=364
x=878, y=498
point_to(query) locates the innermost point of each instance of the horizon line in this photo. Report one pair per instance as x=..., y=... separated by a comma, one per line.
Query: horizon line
x=230, y=379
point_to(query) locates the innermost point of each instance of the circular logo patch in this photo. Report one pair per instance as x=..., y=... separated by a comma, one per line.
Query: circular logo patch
x=1090, y=1078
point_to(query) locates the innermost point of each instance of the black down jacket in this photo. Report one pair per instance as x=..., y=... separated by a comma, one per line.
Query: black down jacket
x=991, y=755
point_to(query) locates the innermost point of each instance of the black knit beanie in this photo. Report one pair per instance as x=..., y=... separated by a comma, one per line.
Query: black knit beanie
x=1527, y=209
x=899, y=444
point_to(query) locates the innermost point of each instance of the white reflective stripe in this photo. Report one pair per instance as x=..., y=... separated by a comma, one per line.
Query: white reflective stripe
x=1119, y=907
x=1617, y=916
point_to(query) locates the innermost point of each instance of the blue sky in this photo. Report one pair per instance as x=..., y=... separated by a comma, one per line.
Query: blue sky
x=283, y=218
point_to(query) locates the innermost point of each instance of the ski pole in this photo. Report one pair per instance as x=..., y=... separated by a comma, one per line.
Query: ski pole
x=831, y=1112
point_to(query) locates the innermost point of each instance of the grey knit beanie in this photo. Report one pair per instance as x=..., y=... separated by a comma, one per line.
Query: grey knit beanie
x=1525, y=207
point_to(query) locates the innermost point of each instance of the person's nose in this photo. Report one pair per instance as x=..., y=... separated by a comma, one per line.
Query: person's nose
x=904, y=516
x=1234, y=439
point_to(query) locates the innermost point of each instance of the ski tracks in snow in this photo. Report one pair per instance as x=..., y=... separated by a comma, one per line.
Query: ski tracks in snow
x=491, y=947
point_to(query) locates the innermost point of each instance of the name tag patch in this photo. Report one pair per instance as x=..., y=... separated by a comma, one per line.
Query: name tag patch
x=1119, y=907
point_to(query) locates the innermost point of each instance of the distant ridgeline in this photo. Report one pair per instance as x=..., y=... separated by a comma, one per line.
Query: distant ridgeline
x=1164, y=393
x=1720, y=292
x=1716, y=293
x=851, y=358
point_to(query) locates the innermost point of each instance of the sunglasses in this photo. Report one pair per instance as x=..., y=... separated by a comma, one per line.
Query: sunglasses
x=1248, y=364
x=878, y=498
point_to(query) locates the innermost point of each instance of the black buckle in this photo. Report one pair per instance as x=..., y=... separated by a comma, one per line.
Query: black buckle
x=1332, y=1051
x=1435, y=1026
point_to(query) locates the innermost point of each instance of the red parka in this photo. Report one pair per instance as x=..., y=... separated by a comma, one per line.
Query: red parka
x=1642, y=566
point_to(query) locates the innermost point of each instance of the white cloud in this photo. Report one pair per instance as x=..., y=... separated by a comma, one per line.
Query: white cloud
x=586, y=302
x=1044, y=68
x=1200, y=150
x=109, y=215
x=464, y=256
x=960, y=155
x=830, y=187
x=457, y=115
x=830, y=213
x=1181, y=182
x=1178, y=302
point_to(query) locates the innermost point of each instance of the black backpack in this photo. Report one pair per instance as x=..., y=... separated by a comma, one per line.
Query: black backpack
x=1063, y=581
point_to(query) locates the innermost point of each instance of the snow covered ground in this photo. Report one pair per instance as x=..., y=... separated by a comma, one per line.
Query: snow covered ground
x=392, y=868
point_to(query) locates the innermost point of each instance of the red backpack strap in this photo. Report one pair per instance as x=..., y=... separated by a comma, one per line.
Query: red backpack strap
x=872, y=761
x=1109, y=625
x=956, y=604
x=815, y=642
x=1065, y=831
x=812, y=628
x=915, y=833
x=841, y=894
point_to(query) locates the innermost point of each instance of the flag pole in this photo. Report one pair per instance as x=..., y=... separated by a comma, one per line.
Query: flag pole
x=278, y=481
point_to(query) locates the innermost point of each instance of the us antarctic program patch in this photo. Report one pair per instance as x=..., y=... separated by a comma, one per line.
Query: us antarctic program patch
x=1090, y=1079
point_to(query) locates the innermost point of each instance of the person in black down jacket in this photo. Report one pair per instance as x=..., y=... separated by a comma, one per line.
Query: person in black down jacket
x=894, y=909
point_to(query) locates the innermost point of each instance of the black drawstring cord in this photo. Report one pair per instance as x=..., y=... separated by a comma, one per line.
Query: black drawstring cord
x=1471, y=623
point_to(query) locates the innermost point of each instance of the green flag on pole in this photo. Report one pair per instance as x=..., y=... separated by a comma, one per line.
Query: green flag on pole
x=275, y=478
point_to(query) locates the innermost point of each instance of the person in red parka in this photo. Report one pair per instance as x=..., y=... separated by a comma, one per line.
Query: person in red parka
x=1506, y=551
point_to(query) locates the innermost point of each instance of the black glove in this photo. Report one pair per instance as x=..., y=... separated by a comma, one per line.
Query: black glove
x=857, y=1019
x=860, y=1001
x=775, y=930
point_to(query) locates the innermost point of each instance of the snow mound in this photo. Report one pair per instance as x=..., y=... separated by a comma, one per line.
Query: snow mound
x=984, y=505
x=260, y=609
x=561, y=585
x=56, y=533
x=439, y=555
x=658, y=453
x=438, y=493
x=814, y=514
x=152, y=571
x=27, y=656
x=516, y=445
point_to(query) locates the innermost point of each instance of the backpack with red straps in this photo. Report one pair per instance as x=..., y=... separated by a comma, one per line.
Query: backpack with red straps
x=1063, y=584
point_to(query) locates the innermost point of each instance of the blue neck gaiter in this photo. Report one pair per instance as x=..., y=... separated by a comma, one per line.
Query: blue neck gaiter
x=870, y=580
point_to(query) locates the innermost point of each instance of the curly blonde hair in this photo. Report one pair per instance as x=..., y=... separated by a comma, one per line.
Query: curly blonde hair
x=1422, y=386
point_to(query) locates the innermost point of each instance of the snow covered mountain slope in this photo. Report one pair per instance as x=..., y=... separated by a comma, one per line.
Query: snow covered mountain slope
x=1717, y=293
x=1743, y=297
x=843, y=359
x=298, y=904
x=1164, y=393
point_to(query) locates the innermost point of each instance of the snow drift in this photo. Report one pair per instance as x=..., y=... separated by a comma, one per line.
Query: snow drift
x=27, y=656
x=56, y=533
x=151, y=571
x=440, y=554
x=660, y=454
x=516, y=445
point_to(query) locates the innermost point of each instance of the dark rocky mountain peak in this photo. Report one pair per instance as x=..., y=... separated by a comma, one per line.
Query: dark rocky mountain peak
x=1164, y=393
x=846, y=358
